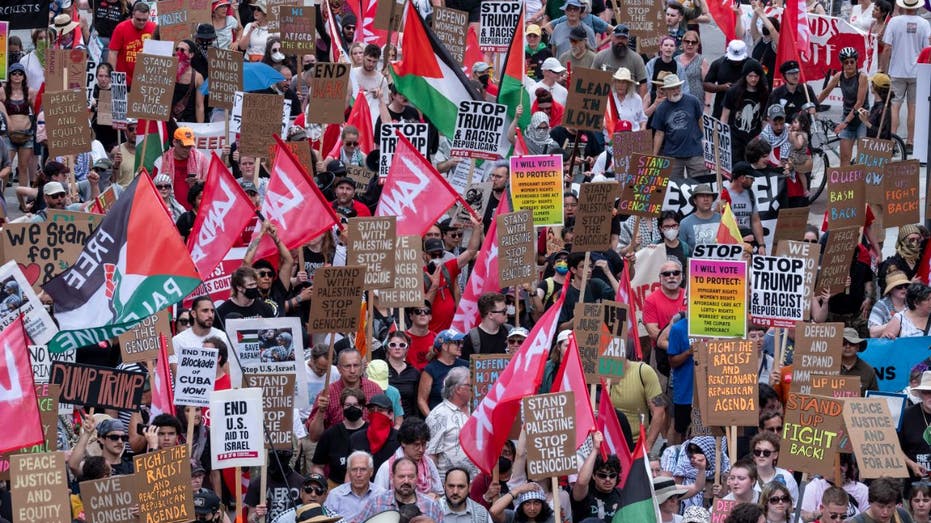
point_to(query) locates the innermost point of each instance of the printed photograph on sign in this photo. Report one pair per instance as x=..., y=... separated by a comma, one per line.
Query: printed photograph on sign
x=268, y=346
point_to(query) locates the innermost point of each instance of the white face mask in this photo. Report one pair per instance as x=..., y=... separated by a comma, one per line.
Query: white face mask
x=278, y=57
x=510, y=310
x=671, y=234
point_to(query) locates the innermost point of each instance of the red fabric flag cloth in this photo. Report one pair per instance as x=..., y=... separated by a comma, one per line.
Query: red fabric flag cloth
x=225, y=211
x=18, y=391
x=724, y=16
x=163, y=396
x=614, y=441
x=793, y=36
x=361, y=118
x=626, y=295
x=570, y=377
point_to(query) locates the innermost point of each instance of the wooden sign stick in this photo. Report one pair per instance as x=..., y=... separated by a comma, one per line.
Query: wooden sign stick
x=238, y=481
x=555, y=490
x=263, y=485
x=326, y=382
x=189, y=413
x=717, y=460
x=369, y=321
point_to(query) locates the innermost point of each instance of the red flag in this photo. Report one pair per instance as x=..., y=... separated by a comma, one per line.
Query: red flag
x=483, y=435
x=414, y=191
x=520, y=146
x=336, y=39
x=366, y=32
x=361, y=118
x=793, y=36
x=18, y=391
x=484, y=277
x=724, y=16
x=163, y=397
x=924, y=265
x=626, y=295
x=728, y=231
x=225, y=211
x=571, y=378
x=614, y=440
x=294, y=204
x=472, y=52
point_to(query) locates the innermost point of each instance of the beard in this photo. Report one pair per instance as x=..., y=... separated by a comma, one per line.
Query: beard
x=674, y=98
x=619, y=50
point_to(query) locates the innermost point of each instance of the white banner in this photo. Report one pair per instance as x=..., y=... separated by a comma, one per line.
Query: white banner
x=237, y=437
x=19, y=298
x=269, y=346
x=197, y=370
x=646, y=278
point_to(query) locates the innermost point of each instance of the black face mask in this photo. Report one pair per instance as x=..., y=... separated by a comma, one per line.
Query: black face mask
x=252, y=293
x=765, y=31
x=15, y=56
x=619, y=50
x=352, y=413
x=484, y=79
x=307, y=67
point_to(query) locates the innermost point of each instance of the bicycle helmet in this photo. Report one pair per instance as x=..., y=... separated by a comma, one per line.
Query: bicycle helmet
x=848, y=52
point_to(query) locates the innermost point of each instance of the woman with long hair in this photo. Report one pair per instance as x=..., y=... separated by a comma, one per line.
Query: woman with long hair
x=401, y=374
x=744, y=107
x=658, y=67
x=776, y=502
x=16, y=103
x=255, y=34
x=105, y=134
x=853, y=87
x=694, y=65
x=765, y=449
x=187, y=100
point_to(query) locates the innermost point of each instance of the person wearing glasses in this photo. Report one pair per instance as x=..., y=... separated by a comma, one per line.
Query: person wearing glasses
x=447, y=355
x=421, y=337
x=126, y=41
x=776, y=503
x=595, y=492
x=351, y=498
x=815, y=495
x=111, y=437
x=854, y=87
x=765, y=447
x=693, y=64
x=490, y=335
x=166, y=191
x=350, y=153
x=834, y=506
x=402, y=375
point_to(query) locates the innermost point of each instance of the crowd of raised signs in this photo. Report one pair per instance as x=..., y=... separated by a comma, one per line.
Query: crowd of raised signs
x=740, y=382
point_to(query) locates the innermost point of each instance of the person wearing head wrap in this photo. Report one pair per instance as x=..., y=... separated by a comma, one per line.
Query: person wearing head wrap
x=538, y=136
x=166, y=191
x=908, y=249
x=699, y=449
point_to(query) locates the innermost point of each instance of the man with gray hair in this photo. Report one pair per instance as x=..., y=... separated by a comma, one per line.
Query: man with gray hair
x=351, y=498
x=447, y=419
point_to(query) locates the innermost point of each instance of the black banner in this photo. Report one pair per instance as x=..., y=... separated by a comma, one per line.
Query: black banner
x=101, y=387
x=25, y=14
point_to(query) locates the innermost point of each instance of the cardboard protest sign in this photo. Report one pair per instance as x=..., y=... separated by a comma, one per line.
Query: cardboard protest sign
x=388, y=15
x=298, y=28
x=484, y=370
x=47, y=396
x=731, y=388
x=109, y=499
x=872, y=155
x=613, y=343
x=588, y=320
x=809, y=253
x=497, y=23
x=588, y=96
x=197, y=371
x=477, y=195
x=101, y=387
x=118, y=101
x=200, y=11
x=39, y=488
x=56, y=61
x=549, y=420
x=712, y=128
x=417, y=133
x=717, y=298
x=163, y=482
x=777, y=291
x=225, y=77
x=536, y=185
x=874, y=439
x=592, y=230
x=811, y=434
x=278, y=406
x=236, y=436
x=173, y=22
x=846, y=198
x=105, y=108
x=835, y=386
x=370, y=243
x=337, y=299
x=516, y=248
x=900, y=193
x=818, y=348
x=644, y=188
x=151, y=98
x=19, y=299
x=646, y=22
x=478, y=129
x=408, y=277
x=328, y=86
x=835, y=261
x=42, y=360
x=273, y=346
x=791, y=224
x=263, y=112
x=142, y=341
x=451, y=27
x=25, y=15
x=358, y=174
x=721, y=508
x=66, y=123
x=627, y=144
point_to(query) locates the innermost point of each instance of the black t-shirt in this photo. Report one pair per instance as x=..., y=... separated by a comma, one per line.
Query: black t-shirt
x=359, y=441
x=333, y=449
x=107, y=13
x=723, y=71
x=406, y=382
x=765, y=53
x=791, y=102
x=746, y=117
x=912, y=436
x=277, y=294
x=124, y=467
x=258, y=309
x=281, y=494
x=596, y=503
x=488, y=343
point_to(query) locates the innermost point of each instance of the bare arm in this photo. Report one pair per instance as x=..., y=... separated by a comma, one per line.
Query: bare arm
x=475, y=242
x=423, y=393
x=830, y=87
x=580, y=488
x=658, y=414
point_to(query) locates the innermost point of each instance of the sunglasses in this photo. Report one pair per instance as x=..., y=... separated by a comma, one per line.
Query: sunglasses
x=780, y=499
x=605, y=475
x=762, y=453
x=455, y=234
x=266, y=274
x=397, y=345
x=165, y=186
x=836, y=515
x=501, y=311
x=690, y=42
x=184, y=321
x=349, y=28
x=350, y=144
x=810, y=241
x=515, y=341
x=420, y=311
x=54, y=196
x=667, y=274
x=117, y=437
x=18, y=72
x=314, y=490
x=900, y=287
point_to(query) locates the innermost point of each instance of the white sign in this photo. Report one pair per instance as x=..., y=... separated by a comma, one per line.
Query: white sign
x=711, y=127
x=118, y=99
x=416, y=132
x=777, y=291
x=197, y=370
x=479, y=126
x=269, y=346
x=498, y=20
x=237, y=437
x=19, y=298
x=208, y=137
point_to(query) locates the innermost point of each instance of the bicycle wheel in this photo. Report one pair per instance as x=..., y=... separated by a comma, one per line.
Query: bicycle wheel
x=819, y=174
x=898, y=150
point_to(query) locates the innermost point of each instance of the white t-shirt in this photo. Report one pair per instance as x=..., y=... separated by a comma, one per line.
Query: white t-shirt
x=188, y=339
x=315, y=386
x=908, y=35
x=861, y=19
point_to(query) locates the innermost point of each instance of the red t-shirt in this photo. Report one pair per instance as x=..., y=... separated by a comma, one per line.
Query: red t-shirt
x=659, y=309
x=420, y=347
x=924, y=57
x=126, y=42
x=179, y=184
x=444, y=303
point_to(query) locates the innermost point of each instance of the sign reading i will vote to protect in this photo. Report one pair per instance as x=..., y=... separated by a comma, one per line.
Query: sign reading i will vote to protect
x=777, y=291
x=536, y=185
x=717, y=298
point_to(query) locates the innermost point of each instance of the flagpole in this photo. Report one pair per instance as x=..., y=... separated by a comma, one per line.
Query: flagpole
x=555, y=489
x=370, y=319
x=189, y=414
x=238, y=482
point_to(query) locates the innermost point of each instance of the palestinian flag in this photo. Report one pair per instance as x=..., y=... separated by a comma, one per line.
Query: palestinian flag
x=429, y=76
x=151, y=136
x=637, y=499
x=515, y=86
x=134, y=265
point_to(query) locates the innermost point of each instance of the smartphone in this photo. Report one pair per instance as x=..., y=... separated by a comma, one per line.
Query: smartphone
x=140, y=429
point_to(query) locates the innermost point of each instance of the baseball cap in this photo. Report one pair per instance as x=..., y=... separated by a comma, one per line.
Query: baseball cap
x=248, y=186
x=380, y=400
x=103, y=164
x=552, y=64
x=185, y=135
x=480, y=67
x=447, y=336
x=621, y=30
x=518, y=331
x=776, y=111
x=533, y=29
x=433, y=245
x=789, y=67
x=577, y=34
x=206, y=502
x=52, y=188
x=314, y=477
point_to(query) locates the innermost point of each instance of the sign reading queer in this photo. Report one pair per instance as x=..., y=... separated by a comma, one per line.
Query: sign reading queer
x=777, y=291
x=846, y=199
x=717, y=307
x=549, y=420
x=236, y=431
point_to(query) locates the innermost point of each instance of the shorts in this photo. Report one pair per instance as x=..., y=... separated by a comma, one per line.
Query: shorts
x=682, y=414
x=849, y=133
x=29, y=144
x=902, y=88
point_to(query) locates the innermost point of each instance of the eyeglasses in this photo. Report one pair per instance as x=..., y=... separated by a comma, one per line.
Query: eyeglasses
x=690, y=42
x=266, y=274
x=397, y=345
x=780, y=499
x=762, y=453
x=501, y=311
x=667, y=274
x=184, y=321
x=349, y=28
x=350, y=144
x=54, y=196
x=420, y=311
x=314, y=490
x=515, y=341
x=605, y=475
x=163, y=186
x=836, y=515
x=117, y=437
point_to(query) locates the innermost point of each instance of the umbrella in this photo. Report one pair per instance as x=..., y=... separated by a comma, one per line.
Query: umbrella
x=256, y=76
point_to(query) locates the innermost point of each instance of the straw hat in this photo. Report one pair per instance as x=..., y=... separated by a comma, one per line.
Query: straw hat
x=894, y=278
x=925, y=381
x=63, y=24
x=670, y=81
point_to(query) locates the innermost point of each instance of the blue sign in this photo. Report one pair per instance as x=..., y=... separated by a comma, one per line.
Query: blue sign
x=894, y=359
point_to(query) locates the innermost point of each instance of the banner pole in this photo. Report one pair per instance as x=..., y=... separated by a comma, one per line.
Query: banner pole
x=516, y=306
x=555, y=490
x=370, y=319
x=263, y=485
x=717, y=460
x=189, y=414
x=326, y=381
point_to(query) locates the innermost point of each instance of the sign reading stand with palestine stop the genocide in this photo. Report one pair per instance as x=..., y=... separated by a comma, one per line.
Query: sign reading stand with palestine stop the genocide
x=549, y=420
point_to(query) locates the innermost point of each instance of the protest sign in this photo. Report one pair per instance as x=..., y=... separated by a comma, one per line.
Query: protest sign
x=478, y=129
x=47, y=398
x=142, y=341
x=417, y=133
x=717, y=298
x=516, y=248
x=56, y=61
x=646, y=22
x=408, y=277
x=337, y=298
x=592, y=230
x=846, y=199
x=328, y=85
x=272, y=346
x=4, y=52
x=835, y=262
x=613, y=343
x=370, y=243
x=791, y=224
x=236, y=437
x=477, y=196
x=588, y=320
x=278, y=406
x=101, y=387
x=19, y=299
x=827, y=35
x=484, y=370
x=39, y=488
x=155, y=86
x=777, y=291
x=809, y=253
x=721, y=508
x=118, y=102
x=588, y=94
x=173, y=22
x=200, y=11
x=451, y=27
x=873, y=438
x=811, y=434
x=872, y=155
x=42, y=360
x=388, y=15
x=536, y=185
x=105, y=108
x=818, y=349
x=163, y=482
x=625, y=145
x=109, y=500
x=497, y=23
x=549, y=420
x=298, y=30
x=712, y=128
x=358, y=174
x=225, y=77
x=835, y=386
x=731, y=389
x=644, y=188
x=263, y=112
x=66, y=123
x=897, y=402
x=197, y=371
x=900, y=193
x=25, y=15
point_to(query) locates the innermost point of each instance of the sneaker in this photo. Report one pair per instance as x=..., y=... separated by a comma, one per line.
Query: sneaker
x=908, y=149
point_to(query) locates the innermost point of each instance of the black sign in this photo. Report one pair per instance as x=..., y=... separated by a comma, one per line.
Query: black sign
x=101, y=387
x=25, y=14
